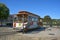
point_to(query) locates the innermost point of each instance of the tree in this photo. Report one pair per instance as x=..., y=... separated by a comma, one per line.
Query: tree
x=4, y=12
x=47, y=19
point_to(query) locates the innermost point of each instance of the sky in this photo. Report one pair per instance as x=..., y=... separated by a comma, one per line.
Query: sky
x=39, y=7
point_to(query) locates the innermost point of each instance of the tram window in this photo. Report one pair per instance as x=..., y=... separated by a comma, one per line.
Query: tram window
x=25, y=19
x=30, y=18
x=33, y=19
x=20, y=18
x=36, y=19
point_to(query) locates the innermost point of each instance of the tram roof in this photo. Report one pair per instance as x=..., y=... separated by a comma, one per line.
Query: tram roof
x=26, y=12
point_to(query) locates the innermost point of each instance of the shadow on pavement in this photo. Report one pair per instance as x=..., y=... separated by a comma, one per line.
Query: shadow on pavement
x=35, y=30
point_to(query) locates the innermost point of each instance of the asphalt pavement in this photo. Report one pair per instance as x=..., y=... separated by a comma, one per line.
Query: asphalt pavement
x=7, y=33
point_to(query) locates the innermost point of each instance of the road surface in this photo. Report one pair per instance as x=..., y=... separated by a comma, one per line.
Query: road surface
x=7, y=33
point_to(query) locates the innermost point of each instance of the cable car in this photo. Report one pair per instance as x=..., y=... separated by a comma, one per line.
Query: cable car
x=26, y=20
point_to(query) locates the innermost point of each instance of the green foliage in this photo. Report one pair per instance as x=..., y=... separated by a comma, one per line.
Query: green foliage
x=4, y=11
x=56, y=21
x=47, y=19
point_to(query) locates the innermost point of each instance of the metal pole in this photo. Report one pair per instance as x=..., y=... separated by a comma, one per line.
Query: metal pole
x=23, y=23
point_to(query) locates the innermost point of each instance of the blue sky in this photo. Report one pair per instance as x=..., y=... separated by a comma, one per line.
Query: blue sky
x=39, y=7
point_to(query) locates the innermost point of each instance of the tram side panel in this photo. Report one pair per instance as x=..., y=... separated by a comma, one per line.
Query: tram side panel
x=33, y=25
x=27, y=25
x=19, y=25
x=33, y=21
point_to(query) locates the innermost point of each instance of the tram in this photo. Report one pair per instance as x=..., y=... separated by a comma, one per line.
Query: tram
x=26, y=20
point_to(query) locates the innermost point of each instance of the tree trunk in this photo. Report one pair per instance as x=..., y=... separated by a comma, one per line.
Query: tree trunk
x=1, y=23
